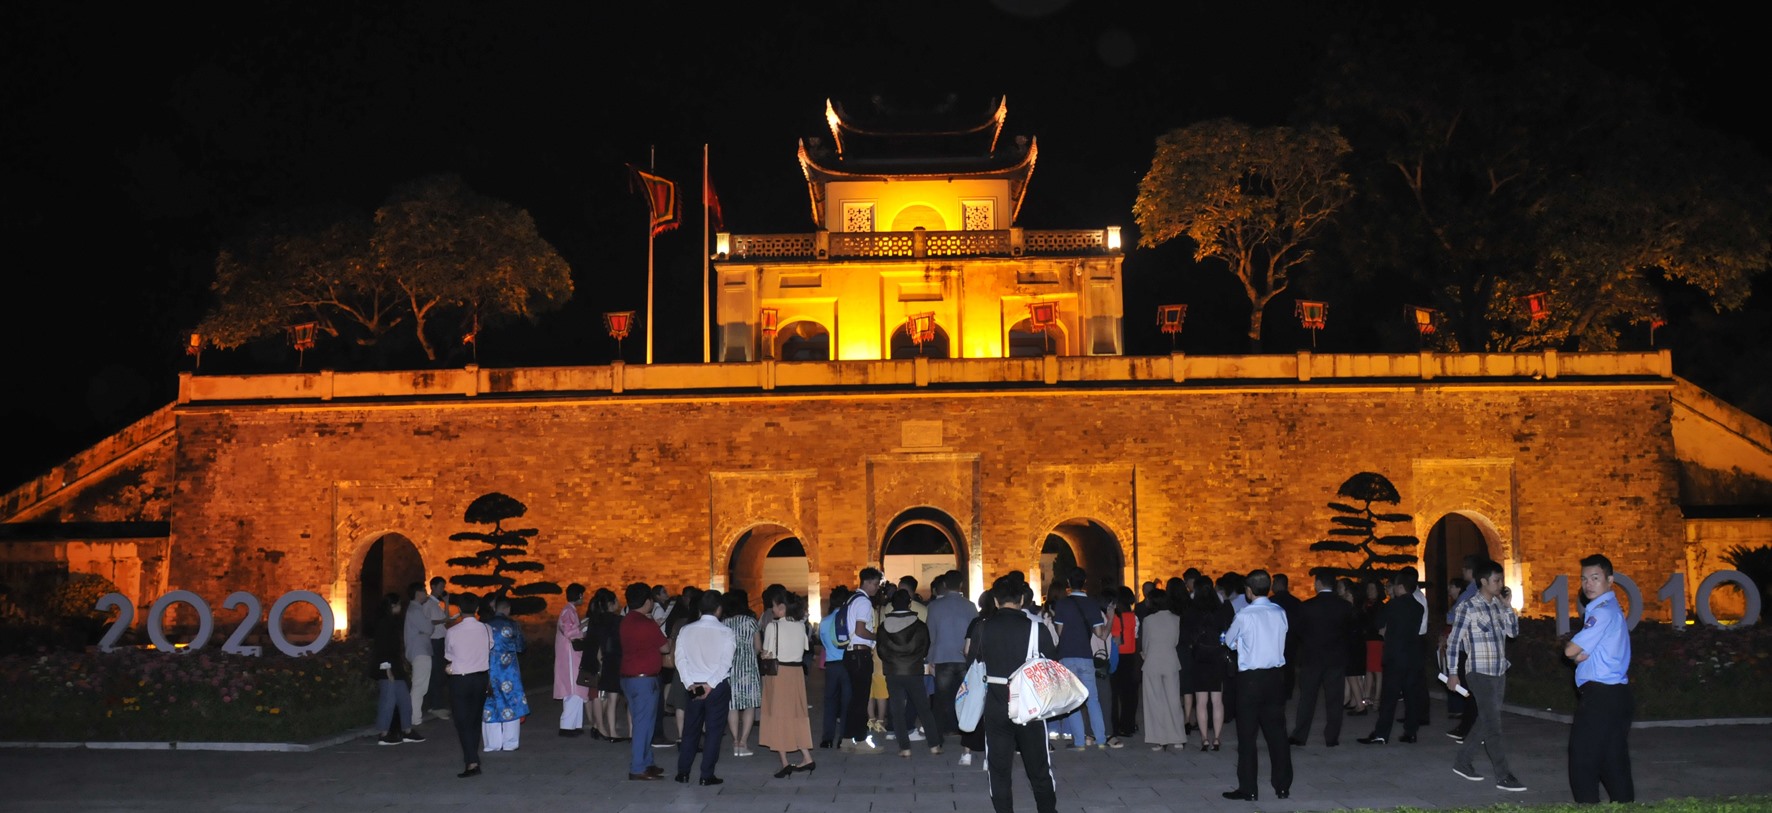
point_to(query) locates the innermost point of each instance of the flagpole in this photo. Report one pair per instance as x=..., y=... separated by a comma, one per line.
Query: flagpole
x=651, y=166
x=705, y=352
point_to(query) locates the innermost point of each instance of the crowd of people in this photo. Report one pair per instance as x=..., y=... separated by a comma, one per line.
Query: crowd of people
x=1169, y=667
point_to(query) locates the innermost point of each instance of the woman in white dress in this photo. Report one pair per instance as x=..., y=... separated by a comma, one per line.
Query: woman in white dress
x=1165, y=718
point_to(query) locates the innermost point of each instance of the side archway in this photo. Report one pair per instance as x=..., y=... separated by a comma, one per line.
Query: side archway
x=765, y=554
x=388, y=563
x=937, y=348
x=923, y=542
x=803, y=340
x=1085, y=543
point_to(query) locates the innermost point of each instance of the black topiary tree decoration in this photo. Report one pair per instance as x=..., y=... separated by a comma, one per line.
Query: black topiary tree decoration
x=1356, y=529
x=504, y=552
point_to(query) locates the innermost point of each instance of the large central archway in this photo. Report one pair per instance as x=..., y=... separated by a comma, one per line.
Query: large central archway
x=922, y=542
x=1083, y=543
x=764, y=555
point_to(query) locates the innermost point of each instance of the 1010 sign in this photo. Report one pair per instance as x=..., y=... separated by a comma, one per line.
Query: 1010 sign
x=1673, y=591
x=156, y=621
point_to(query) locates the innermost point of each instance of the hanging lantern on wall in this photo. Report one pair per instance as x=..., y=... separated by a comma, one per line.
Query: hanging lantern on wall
x=1313, y=316
x=920, y=327
x=769, y=319
x=1170, y=317
x=1538, y=305
x=1423, y=318
x=1042, y=315
x=619, y=324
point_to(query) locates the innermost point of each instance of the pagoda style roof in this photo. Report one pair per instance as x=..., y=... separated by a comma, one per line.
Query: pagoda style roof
x=938, y=142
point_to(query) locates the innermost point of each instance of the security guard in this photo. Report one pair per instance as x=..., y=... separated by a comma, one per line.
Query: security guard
x=1599, y=744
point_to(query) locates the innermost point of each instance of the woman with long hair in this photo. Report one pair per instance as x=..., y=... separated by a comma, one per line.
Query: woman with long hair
x=1203, y=626
x=1354, y=685
x=747, y=679
x=785, y=725
x=1128, y=677
x=1165, y=717
x=605, y=632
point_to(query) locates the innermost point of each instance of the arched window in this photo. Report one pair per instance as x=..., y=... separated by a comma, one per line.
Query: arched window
x=904, y=348
x=1026, y=342
x=918, y=216
x=804, y=340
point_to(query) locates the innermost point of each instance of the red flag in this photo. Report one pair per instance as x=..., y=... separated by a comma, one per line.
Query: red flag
x=661, y=199
x=712, y=201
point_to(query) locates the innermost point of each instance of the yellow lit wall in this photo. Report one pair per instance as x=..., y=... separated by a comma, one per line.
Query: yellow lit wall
x=891, y=198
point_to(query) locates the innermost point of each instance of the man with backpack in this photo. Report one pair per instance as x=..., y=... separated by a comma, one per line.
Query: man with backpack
x=1082, y=629
x=855, y=634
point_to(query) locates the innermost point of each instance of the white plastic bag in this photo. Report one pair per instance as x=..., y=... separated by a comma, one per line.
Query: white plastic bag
x=1041, y=688
x=969, y=700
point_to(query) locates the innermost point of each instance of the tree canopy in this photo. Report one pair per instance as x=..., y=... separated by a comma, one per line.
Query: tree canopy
x=434, y=247
x=1252, y=198
x=1485, y=177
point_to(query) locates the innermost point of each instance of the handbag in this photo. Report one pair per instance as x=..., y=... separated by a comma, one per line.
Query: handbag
x=767, y=667
x=1042, y=688
x=969, y=700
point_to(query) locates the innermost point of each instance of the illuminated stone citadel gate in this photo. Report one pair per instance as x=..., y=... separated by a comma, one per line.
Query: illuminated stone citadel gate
x=1135, y=468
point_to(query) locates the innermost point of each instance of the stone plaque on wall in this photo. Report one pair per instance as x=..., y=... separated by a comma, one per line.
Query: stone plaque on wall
x=920, y=434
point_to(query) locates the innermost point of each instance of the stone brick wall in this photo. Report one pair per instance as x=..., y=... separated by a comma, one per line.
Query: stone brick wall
x=272, y=498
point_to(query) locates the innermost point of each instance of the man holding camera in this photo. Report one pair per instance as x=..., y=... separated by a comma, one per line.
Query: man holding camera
x=704, y=664
x=1481, y=626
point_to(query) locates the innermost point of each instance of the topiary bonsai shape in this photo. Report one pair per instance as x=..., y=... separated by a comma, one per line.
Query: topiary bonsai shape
x=1358, y=528
x=504, y=552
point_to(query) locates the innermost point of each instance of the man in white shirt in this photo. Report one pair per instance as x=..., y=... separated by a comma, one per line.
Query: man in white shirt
x=1258, y=634
x=424, y=616
x=704, y=665
x=467, y=647
x=858, y=661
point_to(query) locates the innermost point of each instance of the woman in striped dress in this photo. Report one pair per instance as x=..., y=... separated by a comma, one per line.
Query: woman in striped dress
x=747, y=681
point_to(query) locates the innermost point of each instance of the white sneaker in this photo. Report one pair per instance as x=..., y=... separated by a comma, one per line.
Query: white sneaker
x=966, y=760
x=916, y=736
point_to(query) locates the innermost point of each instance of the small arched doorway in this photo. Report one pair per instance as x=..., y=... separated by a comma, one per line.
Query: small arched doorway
x=923, y=543
x=765, y=555
x=904, y=348
x=1026, y=342
x=1452, y=538
x=1082, y=543
x=804, y=340
x=390, y=565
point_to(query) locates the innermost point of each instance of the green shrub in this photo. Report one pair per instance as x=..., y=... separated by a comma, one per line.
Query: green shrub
x=1695, y=672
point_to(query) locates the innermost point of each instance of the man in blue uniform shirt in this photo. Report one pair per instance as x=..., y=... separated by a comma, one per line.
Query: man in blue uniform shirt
x=1259, y=636
x=1599, y=742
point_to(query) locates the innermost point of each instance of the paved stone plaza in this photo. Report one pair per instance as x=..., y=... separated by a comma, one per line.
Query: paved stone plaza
x=551, y=773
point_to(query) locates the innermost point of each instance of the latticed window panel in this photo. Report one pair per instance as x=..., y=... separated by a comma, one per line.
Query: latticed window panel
x=967, y=243
x=977, y=215
x=1064, y=241
x=858, y=217
x=882, y=244
x=772, y=245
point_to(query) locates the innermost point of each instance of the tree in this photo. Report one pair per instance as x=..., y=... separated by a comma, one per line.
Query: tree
x=433, y=247
x=1252, y=198
x=1381, y=555
x=1521, y=166
x=446, y=247
x=503, y=551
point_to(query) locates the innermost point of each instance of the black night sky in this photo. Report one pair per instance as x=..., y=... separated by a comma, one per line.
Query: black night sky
x=135, y=139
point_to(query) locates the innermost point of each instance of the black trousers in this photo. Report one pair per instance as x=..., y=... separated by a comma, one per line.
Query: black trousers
x=859, y=663
x=908, y=703
x=1261, y=705
x=1002, y=738
x=948, y=677
x=467, y=699
x=704, y=724
x=1599, y=744
x=1400, y=683
x=1128, y=682
x=1324, y=679
x=437, y=696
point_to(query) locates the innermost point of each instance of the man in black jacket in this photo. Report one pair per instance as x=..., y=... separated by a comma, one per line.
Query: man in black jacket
x=1003, y=646
x=1323, y=633
x=1400, y=624
x=904, y=659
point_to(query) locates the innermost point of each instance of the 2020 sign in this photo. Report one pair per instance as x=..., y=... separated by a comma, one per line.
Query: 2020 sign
x=156, y=621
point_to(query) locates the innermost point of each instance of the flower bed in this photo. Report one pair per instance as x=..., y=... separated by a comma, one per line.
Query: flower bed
x=143, y=695
x=1696, y=672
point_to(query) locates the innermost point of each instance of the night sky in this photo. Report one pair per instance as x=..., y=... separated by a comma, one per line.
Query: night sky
x=134, y=140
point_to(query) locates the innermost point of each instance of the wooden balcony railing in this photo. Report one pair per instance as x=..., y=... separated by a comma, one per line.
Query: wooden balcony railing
x=824, y=245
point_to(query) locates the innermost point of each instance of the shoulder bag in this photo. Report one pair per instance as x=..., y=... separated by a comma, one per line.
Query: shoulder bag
x=768, y=666
x=1042, y=688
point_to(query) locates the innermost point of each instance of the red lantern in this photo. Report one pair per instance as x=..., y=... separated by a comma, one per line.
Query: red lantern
x=619, y=324
x=920, y=327
x=1312, y=315
x=301, y=337
x=770, y=319
x=1042, y=315
x=1424, y=319
x=195, y=347
x=1538, y=306
x=1170, y=317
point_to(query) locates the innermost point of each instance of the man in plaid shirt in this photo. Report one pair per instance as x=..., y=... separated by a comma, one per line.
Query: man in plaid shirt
x=1481, y=626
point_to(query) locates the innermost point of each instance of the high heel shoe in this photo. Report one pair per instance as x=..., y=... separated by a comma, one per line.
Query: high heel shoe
x=785, y=772
x=808, y=767
x=1215, y=745
x=1205, y=746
